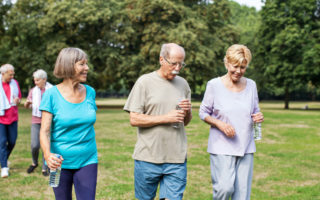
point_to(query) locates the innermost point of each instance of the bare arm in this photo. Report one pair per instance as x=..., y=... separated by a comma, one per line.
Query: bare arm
x=143, y=120
x=227, y=129
x=188, y=118
x=52, y=161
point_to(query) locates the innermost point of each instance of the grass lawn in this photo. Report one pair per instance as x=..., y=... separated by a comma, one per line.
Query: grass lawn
x=286, y=166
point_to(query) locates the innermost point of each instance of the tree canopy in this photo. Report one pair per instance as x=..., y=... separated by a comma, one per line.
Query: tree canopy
x=288, y=49
x=123, y=39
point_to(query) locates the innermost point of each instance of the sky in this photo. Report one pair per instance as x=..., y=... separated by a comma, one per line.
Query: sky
x=251, y=3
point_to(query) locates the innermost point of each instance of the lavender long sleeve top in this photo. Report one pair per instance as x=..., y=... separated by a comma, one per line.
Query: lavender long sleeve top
x=234, y=108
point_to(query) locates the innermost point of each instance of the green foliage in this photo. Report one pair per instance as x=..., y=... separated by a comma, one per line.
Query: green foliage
x=287, y=51
x=196, y=26
x=122, y=38
x=247, y=22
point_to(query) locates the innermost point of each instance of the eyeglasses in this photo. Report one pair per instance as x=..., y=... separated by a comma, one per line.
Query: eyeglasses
x=181, y=65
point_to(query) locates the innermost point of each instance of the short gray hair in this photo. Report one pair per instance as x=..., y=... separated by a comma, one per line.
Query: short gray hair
x=67, y=58
x=40, y=73
x=166, y=49
x=6, y=67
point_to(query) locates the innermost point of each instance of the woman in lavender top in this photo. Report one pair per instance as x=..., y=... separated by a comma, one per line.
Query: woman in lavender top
x=231, y=106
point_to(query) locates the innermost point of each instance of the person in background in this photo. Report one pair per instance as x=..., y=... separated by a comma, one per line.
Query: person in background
x=33, y=101
x=68, y=115
x=160, y=154
x=230, y=106
x=10, y=97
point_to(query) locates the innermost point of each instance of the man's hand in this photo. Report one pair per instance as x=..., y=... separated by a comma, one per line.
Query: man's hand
x=185, y=105
x=176, y=116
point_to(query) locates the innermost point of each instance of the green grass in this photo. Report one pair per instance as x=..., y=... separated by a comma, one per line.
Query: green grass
x=286, y=164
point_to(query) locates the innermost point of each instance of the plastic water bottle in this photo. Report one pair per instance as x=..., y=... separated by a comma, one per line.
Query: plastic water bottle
x=177, y=124
x=54, y=178
x=257, y=131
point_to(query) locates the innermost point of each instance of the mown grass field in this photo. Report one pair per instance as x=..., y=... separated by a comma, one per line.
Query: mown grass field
x=286, y=166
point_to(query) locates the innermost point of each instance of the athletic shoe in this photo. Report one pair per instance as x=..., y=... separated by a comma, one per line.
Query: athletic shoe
x=4, y=172
x=31, y=168
x=45, y=173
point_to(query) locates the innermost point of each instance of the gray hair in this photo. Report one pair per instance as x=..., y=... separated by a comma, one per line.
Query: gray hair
x=6, y=67
x=166, y=49
x=67, y=58
x=40, y=73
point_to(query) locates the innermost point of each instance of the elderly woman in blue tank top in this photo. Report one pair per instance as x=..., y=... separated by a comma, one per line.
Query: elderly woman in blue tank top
x=68, y=115
x=231, y=106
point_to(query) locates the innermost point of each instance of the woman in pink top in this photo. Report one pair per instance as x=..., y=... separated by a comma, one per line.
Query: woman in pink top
x=10, y=97
x=33, y=101
x=230, y=106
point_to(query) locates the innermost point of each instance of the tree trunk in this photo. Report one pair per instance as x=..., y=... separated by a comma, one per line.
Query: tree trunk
x=286, y=98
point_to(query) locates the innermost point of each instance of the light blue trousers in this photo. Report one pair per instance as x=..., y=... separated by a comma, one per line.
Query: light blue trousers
x=231, y=176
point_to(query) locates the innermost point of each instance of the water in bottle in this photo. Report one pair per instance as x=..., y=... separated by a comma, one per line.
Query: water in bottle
x=177, y=124
x=54, y=178
x=257, y=131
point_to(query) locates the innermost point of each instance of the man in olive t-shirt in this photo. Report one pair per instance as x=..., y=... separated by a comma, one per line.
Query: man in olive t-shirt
x=159, y=105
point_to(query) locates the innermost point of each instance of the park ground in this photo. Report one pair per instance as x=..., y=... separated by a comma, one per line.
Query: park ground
x=286, y=165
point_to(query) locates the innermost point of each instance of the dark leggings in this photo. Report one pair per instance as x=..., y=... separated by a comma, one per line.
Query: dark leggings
x=84, y=180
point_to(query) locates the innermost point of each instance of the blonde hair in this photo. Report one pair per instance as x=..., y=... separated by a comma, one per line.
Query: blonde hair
x=238, y=54
x=67, y=58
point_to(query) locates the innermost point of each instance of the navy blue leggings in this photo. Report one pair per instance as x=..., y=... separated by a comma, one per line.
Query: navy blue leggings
x=8, y=137
x=84, y=180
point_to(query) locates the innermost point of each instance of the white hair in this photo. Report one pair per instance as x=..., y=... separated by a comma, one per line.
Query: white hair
x=166, y=49
x=40, y=73
x=6, y=67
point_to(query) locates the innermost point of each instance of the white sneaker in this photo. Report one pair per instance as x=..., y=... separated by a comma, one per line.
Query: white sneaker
x=4, y=172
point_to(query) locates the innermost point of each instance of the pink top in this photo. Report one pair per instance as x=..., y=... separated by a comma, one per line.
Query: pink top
x=11, y=114
x=35, y=119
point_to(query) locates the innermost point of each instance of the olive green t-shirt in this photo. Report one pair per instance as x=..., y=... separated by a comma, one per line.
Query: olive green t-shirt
x=154, y=95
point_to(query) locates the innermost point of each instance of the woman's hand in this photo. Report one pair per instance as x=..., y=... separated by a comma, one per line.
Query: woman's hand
x=227, y=129
x=27, y=104
x=52, y=161
x=16, y=100
x=257, y=117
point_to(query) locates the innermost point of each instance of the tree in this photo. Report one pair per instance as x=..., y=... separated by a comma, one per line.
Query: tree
x=200, y=27
x=288, y=42
x=122, y=38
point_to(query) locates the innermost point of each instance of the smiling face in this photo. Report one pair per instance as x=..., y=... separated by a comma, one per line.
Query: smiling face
x=81, y=70
x=40, y=82
x=171, y=66
x=235, y=71
x=236, y=61
x=7, y=76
